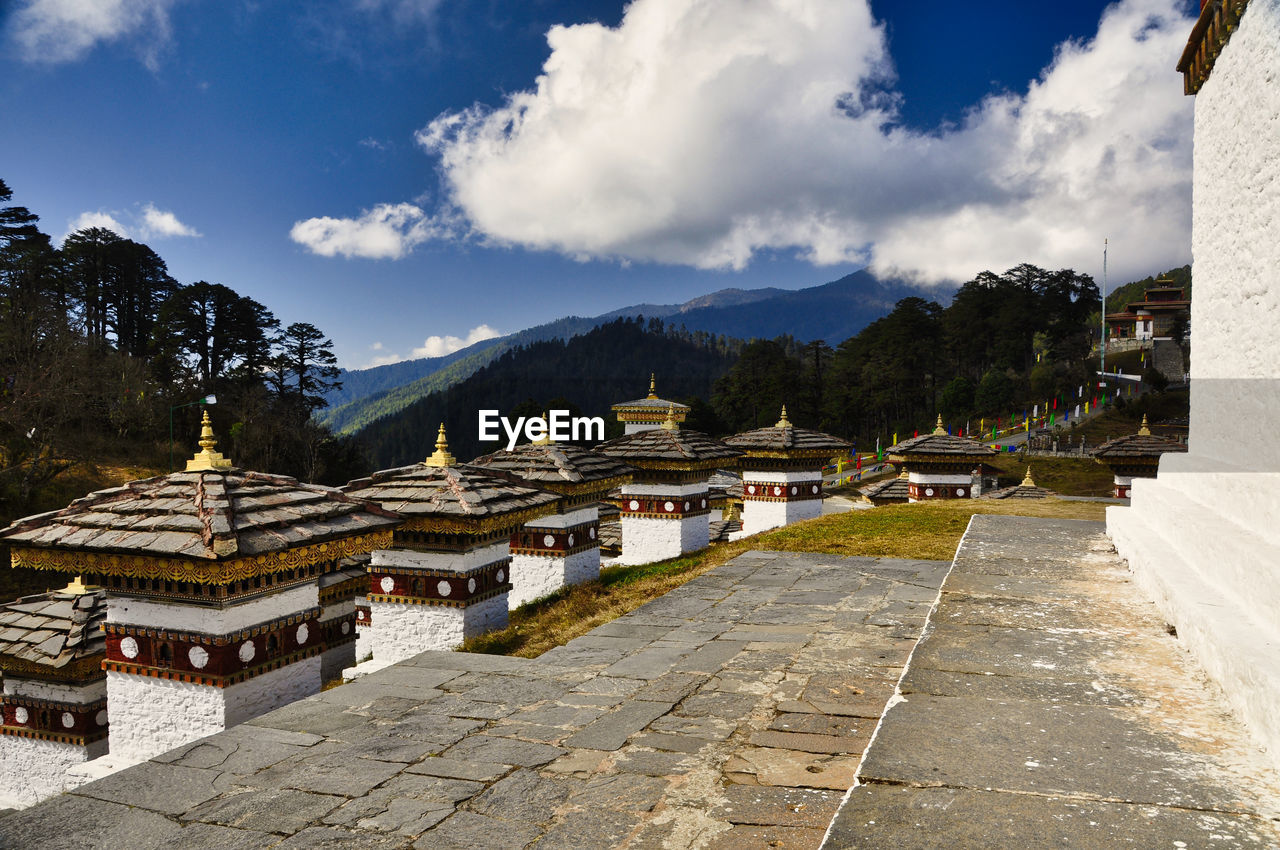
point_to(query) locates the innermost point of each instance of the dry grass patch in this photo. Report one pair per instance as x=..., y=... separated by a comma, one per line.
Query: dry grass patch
x=929, y=531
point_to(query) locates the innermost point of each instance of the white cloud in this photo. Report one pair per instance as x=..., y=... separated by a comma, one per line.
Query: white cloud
x=56, y=31
x=160, y=224
x=388, y=231
x=701, y=134
x=97, y=219
x=381, y=359
x=152, y=223
x=439, y=346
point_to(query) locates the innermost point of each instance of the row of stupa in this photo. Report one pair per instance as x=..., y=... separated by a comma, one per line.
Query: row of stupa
x=215, y=594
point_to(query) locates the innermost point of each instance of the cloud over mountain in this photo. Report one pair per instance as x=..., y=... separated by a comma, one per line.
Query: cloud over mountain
x=702, y=134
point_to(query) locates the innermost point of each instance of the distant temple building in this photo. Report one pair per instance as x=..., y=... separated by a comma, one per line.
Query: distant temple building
x=1203, y=537
x=55, y=694
x=445, y=575
x=212, y=583
x=564, y=548
x=893, y=491
x=666, y=507
x=645, y=414
x=782, y=473
x=1153, y=317
x=939, y=465
x=1028, y=489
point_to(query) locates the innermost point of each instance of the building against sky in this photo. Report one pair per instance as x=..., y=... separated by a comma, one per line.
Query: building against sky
x=1204, y=535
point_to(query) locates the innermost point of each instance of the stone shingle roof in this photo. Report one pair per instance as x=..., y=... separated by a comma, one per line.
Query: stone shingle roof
x=725, y=483
x=661, y=445
x=53, y=630
x=209, y=514
x=460, y=492
x=894, y=488
x=1021, y=491
x=553, y=465
x=789, y=440
x=1138, y=445
x=940, y=444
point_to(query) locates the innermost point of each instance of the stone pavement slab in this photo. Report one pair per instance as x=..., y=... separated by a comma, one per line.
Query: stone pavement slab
x=1047, y=706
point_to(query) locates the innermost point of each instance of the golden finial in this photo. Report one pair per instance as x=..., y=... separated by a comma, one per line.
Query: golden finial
x=1144, y=431
x=76, y=587
x=441, y=456
x=670, y=424
x=653, y=393
x=904, y=473
x=207, y=459
x=1026, y=481
x=939, y=428
x=545, y=439
x=783, y=422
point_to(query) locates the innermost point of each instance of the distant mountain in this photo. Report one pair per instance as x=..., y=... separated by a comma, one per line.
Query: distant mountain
x=833, y=311
x=586, y=374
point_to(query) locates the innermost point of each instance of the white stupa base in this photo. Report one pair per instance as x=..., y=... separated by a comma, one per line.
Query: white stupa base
x=536, y=576
x=32, y=769
x=364, y=644
x=402, y=630
x=1204, y=546
x=762, y=516
x=646, y=539
x=150, y=716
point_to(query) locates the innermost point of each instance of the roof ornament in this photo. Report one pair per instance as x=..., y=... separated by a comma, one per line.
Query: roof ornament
x=441, y=456
x=545, y=439
x=939, y=428
x=1144, y=431
x=1026, y=481
x=653, y=393
x=670, y=423
x=784, y=422
x=76, y=587
x=207, y=459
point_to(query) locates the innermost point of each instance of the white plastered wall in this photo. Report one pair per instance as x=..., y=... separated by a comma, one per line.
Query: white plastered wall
x=402, y=630
x=536, y=576
x=1203, y=538
x=32, y=769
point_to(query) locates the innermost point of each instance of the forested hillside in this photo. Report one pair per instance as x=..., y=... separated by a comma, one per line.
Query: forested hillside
x=586, y=375
x=98, y=343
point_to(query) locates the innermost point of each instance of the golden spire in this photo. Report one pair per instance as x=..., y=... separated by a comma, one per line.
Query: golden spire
x=653, y=393
x=441, y=456
x=1144, y=431
x=939, y=428
x=207, y=458
x=670, y=424
x=1027, y=482
x=76, y=587
x=784, y=422
x=545, y=439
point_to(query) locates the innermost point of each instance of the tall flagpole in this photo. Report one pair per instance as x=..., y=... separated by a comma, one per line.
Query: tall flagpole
x=1102, y=340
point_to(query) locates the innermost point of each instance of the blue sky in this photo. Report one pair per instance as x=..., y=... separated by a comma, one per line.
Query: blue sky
x=399, y=172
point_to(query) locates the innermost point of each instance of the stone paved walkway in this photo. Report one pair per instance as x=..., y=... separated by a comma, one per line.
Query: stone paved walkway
x=1046, y=706
x=731, y=712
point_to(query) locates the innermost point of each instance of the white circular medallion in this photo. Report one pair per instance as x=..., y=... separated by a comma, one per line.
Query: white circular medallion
x=668, y=506
x=346, y=627
x=20, y=714
x=501, y=576
x=359, y=615
x=471, y=585
x=591, y=532
x=777, y=491
x=815, y=488
x=549, y=540
x=302, y=634
x=959, y=491
x=634, y=505
x=101, y=717
x=199, y=656
x=247, y=651
x=751, y=488
x=704, y=503
x=928, y=491
x=68, y=720
x=129, y=647
x=794, y=491
x=443, y=588
x=387, y=584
